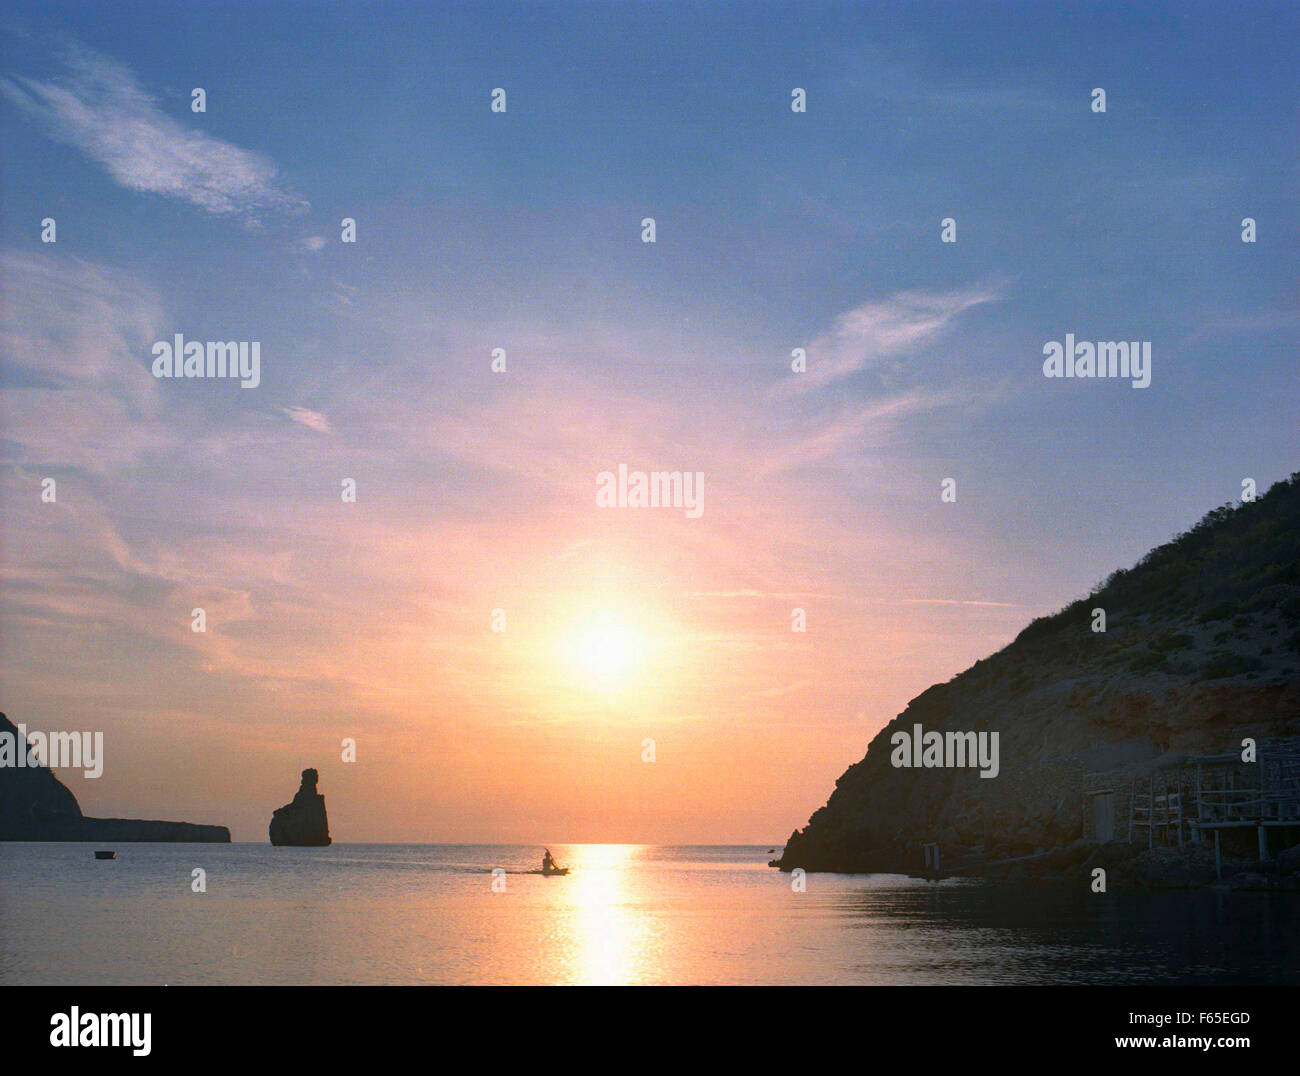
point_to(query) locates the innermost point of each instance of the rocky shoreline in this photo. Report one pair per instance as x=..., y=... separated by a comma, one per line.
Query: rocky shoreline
x=1127, y=866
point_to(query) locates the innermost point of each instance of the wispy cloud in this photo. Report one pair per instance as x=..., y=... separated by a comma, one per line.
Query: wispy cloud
x=885, y=329
x=67, y=322
x=313, y=420
x=811, y=440
x=959, y=601
x=99, y=107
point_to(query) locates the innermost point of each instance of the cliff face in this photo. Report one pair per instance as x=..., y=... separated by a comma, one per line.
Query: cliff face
x=303, y=821
x=28, y=793
x=1201, y=649
x=36, y=806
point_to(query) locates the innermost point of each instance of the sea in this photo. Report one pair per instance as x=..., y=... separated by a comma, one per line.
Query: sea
x=182, y=914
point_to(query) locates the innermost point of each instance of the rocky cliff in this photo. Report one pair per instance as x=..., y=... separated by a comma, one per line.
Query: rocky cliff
x=303, y=821
x=36, y=806
x=1201, y=648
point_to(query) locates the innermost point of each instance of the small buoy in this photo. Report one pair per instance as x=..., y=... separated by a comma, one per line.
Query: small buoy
x=106, y=855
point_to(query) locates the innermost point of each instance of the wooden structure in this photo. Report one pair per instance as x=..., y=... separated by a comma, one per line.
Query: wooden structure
x=1198, y=796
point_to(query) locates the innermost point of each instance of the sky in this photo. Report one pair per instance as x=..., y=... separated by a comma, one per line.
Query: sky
x=648, y=686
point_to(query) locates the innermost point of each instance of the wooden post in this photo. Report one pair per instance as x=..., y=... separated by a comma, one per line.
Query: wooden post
x=1196, y=833
x=1263, y=842
x=1180, y=806
x=1151, y=815
x=1218, y=858
x=1132, y=798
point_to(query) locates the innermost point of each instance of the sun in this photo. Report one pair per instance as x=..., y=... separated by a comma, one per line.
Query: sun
x=604, y=650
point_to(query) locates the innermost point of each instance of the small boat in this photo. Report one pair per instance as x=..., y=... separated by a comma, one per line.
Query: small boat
x=106, y=854
x=550, y=868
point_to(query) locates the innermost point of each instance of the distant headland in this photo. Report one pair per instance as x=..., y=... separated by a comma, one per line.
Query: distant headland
x=36, y=806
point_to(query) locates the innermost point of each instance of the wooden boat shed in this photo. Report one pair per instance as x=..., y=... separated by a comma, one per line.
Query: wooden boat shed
x=1198, y=796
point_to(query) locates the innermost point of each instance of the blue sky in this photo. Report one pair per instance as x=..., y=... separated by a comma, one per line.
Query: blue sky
x=520, y=230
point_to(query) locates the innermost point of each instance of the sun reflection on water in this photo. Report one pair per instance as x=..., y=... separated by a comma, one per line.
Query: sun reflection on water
x=608, y=937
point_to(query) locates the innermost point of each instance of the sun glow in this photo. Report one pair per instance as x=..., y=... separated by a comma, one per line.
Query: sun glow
x=605, y=650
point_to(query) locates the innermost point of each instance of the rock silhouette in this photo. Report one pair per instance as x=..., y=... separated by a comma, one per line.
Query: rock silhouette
x=303, y=821
x=36, y=806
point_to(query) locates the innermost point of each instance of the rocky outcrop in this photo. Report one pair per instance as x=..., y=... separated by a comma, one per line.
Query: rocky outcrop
x=36, y=806
x=1133, y=866
x=303, y=821
x=1201, y=648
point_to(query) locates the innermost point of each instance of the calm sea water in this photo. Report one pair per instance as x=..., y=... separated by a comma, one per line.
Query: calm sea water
x=627, y=914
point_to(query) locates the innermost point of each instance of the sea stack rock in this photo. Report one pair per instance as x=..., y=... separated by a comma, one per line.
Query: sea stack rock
x=303, y=821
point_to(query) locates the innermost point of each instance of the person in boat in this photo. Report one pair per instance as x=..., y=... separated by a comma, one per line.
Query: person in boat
x=548, y=861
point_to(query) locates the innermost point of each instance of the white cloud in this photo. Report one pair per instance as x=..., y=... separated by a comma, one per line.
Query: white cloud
x=883, y=329
x=313, y=420
x=101, y=109
x=71, y=323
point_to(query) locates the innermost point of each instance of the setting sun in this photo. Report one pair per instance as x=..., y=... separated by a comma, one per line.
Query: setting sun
x=604, y=650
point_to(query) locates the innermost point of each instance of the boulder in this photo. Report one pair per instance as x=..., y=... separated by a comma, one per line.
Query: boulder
x=1288, y=860
x=1173, y=868
x=1249, y=880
